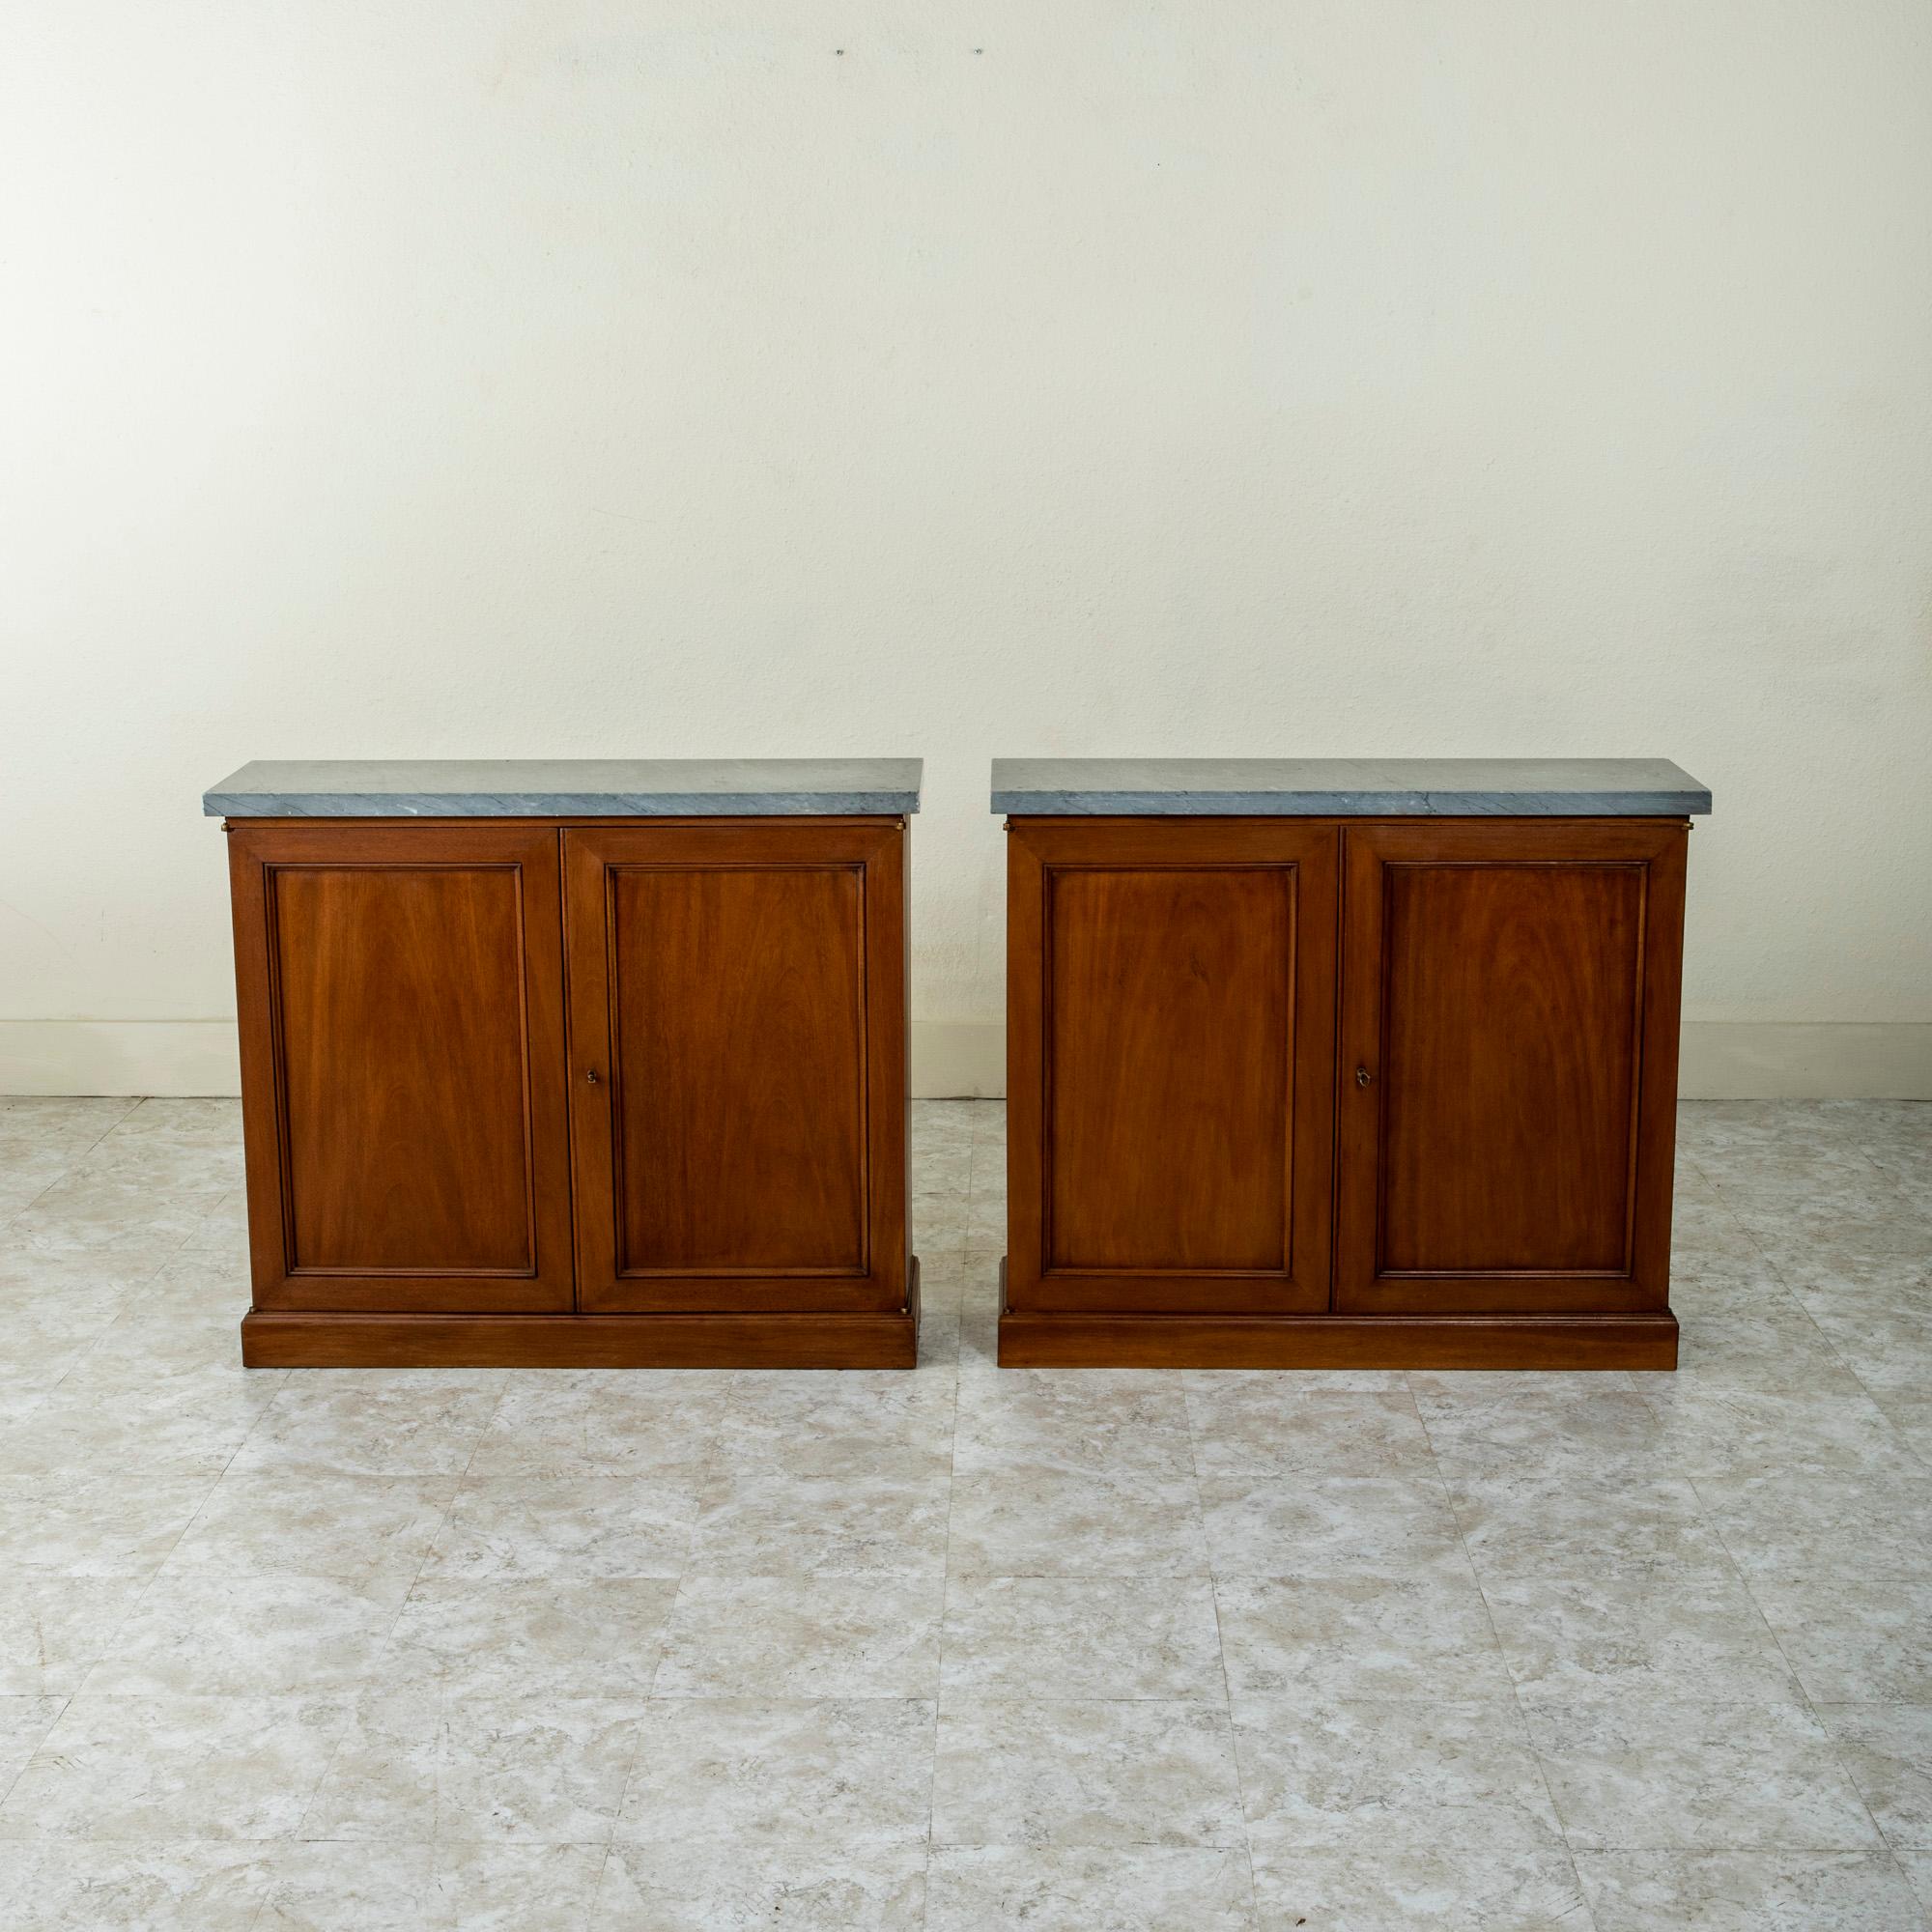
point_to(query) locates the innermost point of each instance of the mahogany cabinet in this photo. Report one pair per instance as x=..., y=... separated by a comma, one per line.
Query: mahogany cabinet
x=1306, y=1069
x=536, y=1087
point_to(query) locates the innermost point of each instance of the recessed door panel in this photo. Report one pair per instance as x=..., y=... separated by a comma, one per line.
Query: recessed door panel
x=1170, y=1105
x=402, y=1019
x=738, y=1101
x=738, y=1001
x=1167, y=1076
x=1505, y=994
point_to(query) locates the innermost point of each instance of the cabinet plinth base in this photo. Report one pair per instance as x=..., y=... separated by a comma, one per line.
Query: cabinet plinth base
x=291, y=1339
x=1098, y=1340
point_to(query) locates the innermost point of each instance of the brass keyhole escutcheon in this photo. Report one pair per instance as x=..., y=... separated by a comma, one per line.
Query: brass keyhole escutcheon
x=1362, y=1076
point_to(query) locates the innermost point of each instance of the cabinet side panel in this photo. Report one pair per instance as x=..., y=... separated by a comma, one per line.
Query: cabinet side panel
x=399, y=1005
x=1169, y=1003
x=1509, y=1061
x=737, y=1011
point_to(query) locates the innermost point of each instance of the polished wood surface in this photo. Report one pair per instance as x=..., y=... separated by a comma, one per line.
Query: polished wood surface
x=1550, y=1342
x=869, y=1339
x=1492, y=1141
x=401, y=1018
x=435, y=1177
x=1503, y=984
x=1167, y=1075
x=738, y=994
x=1169, y=1047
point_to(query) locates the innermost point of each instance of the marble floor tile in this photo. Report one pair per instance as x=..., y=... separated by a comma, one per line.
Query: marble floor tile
x=71, y=1125
x=191, y=1428
x=54, y=1629
x=986, y=1224
x=1419, y=1632
x=362, y=1529
x=24, y=1724
x=210, y=1631
x=1377, y=1890
x=1558, y=1429
x=79, y=1885
x=1321, y=1774
x=381, y=1782
x=722, y=1889
x=770, y=1521
x=116, y=1216
x=1091, y=1474
x=1709, y=1238
x=1052, y=1772
x=1862, y=1645
x=1888, y=1750
x=589, y=1526
x=850, y=1427
x=1918, y=1869
x=1909, y=1410
x=846, y=1775
x=99, y=1521
x=1073, y=1636
x=353, y=1887
x=175, y=1768
x=212, y=1122
x=1264, y=1425
x=537, y=1637
x=1514, y=1520
x=1278, y=1526
x=1081, y=1889
x=533, y=1770
x=416, y=1765
x=1752, y=1334
x=403, y=1422
x=456, y=1888
x=1731, y=1441
x=741, y=1640
x=1747, y=1892
x=1634, y=1774
x=803, y=1636
x=1096, y=1513
x=574, y=1429
x=1675, y=1621
x=1883, y=1335
x=43, y=1333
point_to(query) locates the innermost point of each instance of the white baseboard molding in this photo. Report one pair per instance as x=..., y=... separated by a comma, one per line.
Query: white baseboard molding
x=1805, y=1060
x=1722, y=1060
x=161, y=1056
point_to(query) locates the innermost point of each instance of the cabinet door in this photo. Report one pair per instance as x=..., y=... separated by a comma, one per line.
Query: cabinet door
x=1509, y=1066
x=1171, y=1020
x=401, y=999
x=738, y=1096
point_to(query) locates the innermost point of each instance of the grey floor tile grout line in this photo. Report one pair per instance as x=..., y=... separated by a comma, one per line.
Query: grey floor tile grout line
x=1495, y=1637
x=1221, y=1652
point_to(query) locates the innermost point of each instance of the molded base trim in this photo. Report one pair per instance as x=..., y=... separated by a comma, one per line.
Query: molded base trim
x=283, y=1339
x=1086, y=1340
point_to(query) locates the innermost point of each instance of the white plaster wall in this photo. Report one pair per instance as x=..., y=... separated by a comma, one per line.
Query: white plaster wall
x=569, y=376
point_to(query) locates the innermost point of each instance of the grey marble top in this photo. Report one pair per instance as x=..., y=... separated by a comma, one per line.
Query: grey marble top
x=565, y=788
x=1346, y=788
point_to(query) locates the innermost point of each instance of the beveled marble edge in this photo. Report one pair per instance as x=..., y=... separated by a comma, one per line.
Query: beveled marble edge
x=1346, y=788
x=567, y=788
